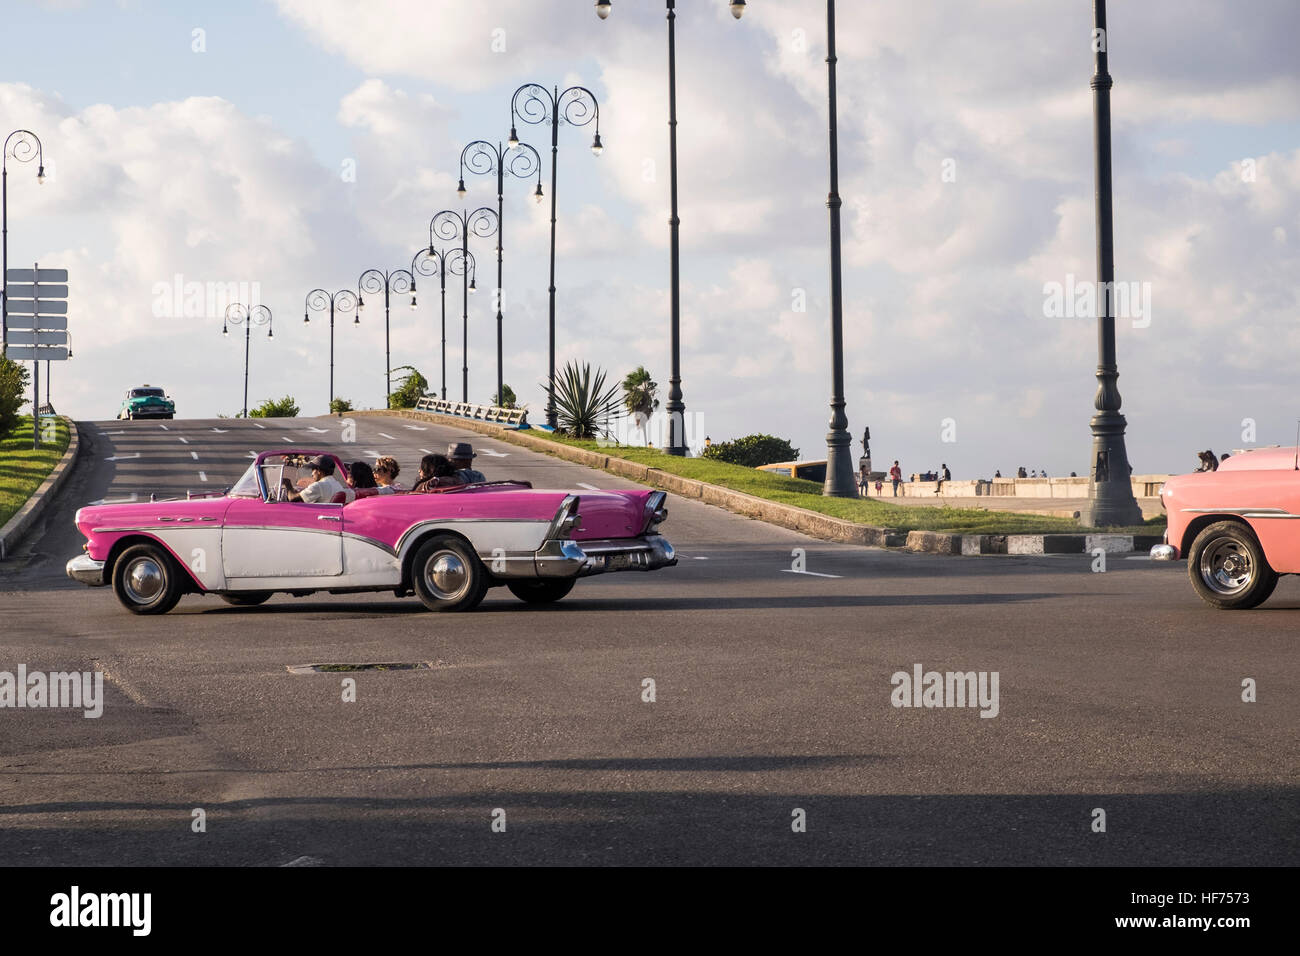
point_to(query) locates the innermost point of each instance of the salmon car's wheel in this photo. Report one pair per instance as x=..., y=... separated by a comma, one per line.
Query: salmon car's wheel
x=447, y=575
x=146, y=580
x=1227, y=567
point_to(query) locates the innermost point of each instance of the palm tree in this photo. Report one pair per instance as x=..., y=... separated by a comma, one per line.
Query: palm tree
x=640, y=397
x=583, y=401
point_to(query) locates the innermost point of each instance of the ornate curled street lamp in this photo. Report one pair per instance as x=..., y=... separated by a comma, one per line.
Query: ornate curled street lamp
x=239, y=314
x=448, y=225
x=675, y=407
x=381, y=280
x=439, y=262
x=23, y=145
x=521, y=161
x=1110, y=491
x=576, y=106
x=318, y=300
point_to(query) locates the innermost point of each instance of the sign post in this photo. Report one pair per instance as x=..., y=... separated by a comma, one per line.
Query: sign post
x=36, y=311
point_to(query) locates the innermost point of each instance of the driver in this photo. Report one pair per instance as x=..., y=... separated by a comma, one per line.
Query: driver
x=324, y=486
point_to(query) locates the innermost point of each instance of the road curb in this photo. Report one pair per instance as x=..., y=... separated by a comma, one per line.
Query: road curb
x=11, y=534
x=797, y=519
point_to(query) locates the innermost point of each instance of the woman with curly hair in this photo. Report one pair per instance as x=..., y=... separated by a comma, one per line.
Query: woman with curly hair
x=386, y=472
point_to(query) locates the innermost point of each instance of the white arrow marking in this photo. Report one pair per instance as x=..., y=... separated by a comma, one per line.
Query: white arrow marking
x=492, y=453
x=185, y=440
x=386, y=435
x=194, y=455
x=203, y=476
x=813, y=573
x=416, y=428
x=220, y=431
x=117, y=501
x=123, y=457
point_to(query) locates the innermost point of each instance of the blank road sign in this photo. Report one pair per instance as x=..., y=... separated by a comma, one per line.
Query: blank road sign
x=39, y=353
x=37, y=291
x=28, y=306
x=42, y=337
x=31, y=275
x=32, y=321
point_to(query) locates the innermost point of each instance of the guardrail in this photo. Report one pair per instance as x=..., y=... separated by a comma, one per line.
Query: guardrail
x=476, y=412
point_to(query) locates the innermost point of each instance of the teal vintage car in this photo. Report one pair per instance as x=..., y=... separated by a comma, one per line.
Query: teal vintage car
x=146, y=401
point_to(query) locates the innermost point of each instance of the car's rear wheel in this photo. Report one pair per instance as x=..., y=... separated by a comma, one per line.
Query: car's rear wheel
x=247, y=598
x=541, y=590
x=447, y=575
x=146, y=580
x=1228, y=569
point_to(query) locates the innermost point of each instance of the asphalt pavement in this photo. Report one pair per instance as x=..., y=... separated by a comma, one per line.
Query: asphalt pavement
x=772, y=658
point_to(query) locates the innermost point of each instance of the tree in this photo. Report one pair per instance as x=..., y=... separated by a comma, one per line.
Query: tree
x=507, y=399
x=410, y=389
x=640, y=397
x=339, y=405
x=583, y=402
x=752, y=451
x=13, y=385
x=272, y=408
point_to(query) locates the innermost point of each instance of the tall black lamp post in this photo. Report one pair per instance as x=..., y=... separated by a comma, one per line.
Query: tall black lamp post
x=675, y=407
x=23, y=145
x=521, y=161
x=318, y=300
x=576, y=106
x=239, y=314
x=839, y=463
x=448, y=225
x=439, y=262
x=1110, y=492
x=381, y=280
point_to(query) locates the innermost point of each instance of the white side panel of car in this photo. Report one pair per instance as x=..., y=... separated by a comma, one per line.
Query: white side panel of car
x=199, y=549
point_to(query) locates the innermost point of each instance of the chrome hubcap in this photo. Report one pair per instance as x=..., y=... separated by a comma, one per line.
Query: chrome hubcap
x=445, y=575
x=143, y=580
x=1225, y=568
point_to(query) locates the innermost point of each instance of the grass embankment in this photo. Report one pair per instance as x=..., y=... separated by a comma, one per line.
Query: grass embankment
x=869, y=511
x=22, y=469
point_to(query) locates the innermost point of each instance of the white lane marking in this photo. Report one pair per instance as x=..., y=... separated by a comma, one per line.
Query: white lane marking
x=112, y=433
x=164, y=428
x=289, y=440
x=583, y=484
x=258, y=426
x=180, y=439
x=386, y=435
x=123, y=457
x=116, y=501
x=426, y=451
x=372, y=453
x=252, y=454
x=220, y=431
x=416, y=428
x=194, y=455
x=203, y=476
x=815, y=574
x=305, y=861
x=318, y=431
x=491, y=453
x=696, y=557
x=1138, y=557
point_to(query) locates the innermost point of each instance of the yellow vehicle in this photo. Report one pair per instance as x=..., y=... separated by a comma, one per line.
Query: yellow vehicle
x=807, y=470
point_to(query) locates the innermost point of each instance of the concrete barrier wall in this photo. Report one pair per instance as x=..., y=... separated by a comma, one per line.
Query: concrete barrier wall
x=1144, y=486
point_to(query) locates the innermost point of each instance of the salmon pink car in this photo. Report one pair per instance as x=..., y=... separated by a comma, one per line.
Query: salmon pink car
x=1236, y=526
x=447, y=546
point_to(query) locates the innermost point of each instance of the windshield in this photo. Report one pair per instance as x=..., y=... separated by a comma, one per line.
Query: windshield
x=146, y=392
x=278, y=471
x=246, y=486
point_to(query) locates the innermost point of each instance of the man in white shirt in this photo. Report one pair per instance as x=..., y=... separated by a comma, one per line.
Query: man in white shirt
x=324, y=486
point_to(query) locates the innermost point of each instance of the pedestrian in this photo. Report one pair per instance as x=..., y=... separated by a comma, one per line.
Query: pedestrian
x=880, y=487
x=864, y=479
x=998, y=473
x=896, y=476
x=1021, y=473
x=941, y=476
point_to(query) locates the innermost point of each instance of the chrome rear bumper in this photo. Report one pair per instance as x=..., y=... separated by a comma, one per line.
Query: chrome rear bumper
x=568, y=558
x=87, y=570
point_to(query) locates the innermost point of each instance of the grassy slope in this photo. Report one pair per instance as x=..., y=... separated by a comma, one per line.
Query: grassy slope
x=21, y=469
x=808, y=494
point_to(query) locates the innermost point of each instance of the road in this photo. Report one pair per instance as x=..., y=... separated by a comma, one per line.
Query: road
x=1118, y=691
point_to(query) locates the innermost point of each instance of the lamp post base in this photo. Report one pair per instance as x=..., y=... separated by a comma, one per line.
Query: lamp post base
x=840, y=482
x=1110, y=493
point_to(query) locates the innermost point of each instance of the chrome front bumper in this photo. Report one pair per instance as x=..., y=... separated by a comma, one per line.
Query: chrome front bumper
x=87, y=570
x=1163, y=552
x=568, y=559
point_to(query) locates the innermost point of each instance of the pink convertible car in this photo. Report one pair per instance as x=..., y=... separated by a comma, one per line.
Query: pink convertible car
x=1234, y=526
x=447, y=546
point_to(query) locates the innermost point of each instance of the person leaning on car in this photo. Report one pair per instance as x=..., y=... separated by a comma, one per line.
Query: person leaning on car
x=324, y=486
x=462, y=459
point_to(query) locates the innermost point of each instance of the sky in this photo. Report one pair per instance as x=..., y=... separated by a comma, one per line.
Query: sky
x=272, y=148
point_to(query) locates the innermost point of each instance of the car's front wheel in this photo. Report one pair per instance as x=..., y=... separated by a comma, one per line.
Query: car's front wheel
x=447, y=575
x=541, y=590
x=1228, y=569
x=146, y=580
